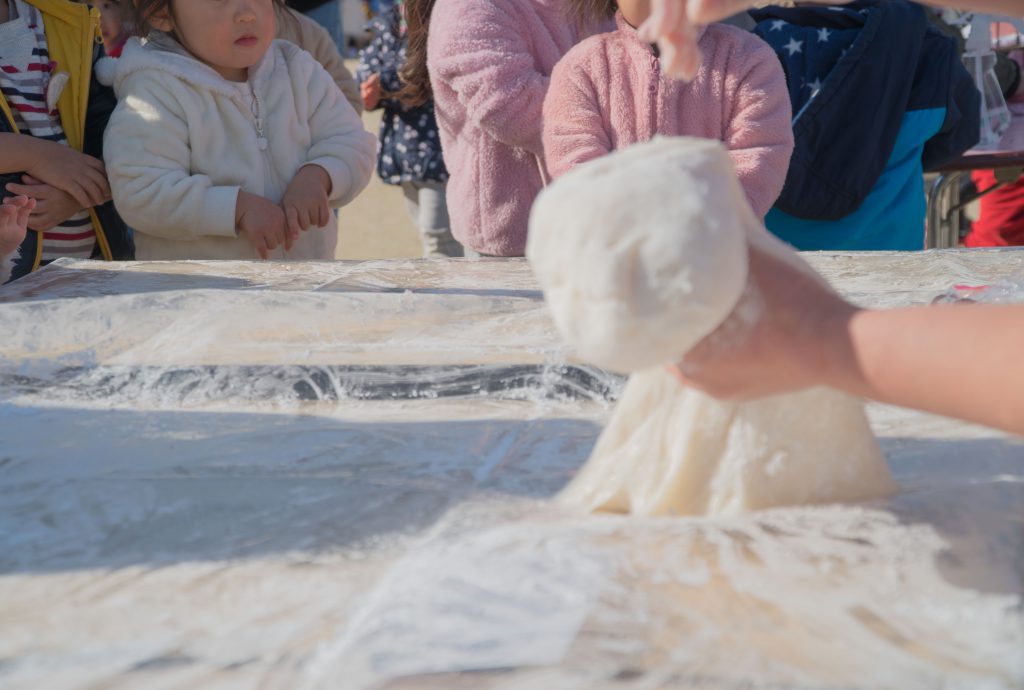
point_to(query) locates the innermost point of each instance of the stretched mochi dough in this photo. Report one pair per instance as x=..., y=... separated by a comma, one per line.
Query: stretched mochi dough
x=670, y=450
x=642, y=254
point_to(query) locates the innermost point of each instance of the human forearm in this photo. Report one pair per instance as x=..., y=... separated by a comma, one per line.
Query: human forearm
x=962, y=361
x=19, y=152
x=1010, y=8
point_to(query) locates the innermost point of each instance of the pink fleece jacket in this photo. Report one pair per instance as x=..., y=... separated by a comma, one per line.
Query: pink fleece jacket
x=490, y=62
x=609, y=92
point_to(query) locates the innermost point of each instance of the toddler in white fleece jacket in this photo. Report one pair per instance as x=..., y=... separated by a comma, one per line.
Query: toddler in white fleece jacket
x=226, y=143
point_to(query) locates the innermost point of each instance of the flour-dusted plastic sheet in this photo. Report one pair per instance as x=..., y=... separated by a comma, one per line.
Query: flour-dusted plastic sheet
x=337, y=475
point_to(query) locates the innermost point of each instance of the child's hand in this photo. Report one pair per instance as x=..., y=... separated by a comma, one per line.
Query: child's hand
x=14, y=214
x=305, y=200
x=81, y=176
x=261, y=222
x=370, y=91
x=52, y=206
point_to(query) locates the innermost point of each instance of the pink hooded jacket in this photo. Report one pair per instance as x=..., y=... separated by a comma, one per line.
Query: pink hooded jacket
x=490, y=62
x=609, y=92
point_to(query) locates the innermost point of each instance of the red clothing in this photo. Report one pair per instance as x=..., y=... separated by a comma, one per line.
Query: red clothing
x=1001, y=222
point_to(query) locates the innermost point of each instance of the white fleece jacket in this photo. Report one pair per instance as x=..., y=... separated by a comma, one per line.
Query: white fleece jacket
x=183, y=140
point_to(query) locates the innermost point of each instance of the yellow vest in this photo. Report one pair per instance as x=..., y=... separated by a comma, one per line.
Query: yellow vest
x=72, y=31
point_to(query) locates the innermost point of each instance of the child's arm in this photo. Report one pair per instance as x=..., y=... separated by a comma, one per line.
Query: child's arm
x=340, y=145
x=480, y=52
x=759, y=133
x=370, y=66
x=81, y=176
x=574, y=130
x=382, y=59
x=147, y=153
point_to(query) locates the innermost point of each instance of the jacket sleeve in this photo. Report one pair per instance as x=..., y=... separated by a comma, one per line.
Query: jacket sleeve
x=377, y=59
x=482, y=56
x=574, y=131
x=311, y=37
x=961, y=128
x=759, y=131
x=149, y=174
x=339, y=143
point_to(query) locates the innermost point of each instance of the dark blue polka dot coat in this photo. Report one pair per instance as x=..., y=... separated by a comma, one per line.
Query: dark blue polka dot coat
x=409, y=149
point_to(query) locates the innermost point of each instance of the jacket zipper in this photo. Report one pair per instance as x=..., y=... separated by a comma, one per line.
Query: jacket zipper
x=653, y=90
x=257, y=114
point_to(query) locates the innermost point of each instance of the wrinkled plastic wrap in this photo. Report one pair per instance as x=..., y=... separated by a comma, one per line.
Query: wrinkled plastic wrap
x=231, y=475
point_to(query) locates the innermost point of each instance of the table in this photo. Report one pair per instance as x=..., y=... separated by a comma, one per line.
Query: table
x=944, y=203
x=338, y=475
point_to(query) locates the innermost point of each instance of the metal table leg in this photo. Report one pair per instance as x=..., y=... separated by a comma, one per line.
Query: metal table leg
x=943, y=225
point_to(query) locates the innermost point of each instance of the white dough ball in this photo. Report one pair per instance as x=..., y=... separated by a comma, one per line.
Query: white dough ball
x=643, y=252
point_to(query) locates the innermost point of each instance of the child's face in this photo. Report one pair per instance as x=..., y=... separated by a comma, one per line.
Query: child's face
x=228, y=35
x=635, y=12
x=111, y=24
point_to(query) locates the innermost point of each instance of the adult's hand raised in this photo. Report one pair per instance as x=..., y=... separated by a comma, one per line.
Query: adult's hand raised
x=672, y=25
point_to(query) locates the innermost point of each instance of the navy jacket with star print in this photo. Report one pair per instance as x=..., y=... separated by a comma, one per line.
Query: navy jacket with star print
x=878, y=96
x=410, y=148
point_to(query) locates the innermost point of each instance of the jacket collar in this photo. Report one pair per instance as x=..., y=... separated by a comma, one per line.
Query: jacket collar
x=162, y=53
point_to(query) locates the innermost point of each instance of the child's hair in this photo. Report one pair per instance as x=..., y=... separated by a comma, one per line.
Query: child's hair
x=144, y=9
x=416, y=89
x=587, y=11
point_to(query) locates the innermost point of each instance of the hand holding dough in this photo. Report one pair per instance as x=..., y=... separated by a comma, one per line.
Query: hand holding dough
x=641, y=255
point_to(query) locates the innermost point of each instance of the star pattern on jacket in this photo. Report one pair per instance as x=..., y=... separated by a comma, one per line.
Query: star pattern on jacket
x=807, y=53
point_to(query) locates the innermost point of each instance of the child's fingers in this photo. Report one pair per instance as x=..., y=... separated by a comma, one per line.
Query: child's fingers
x=292, y=220
x=19, y=201
x=80, y=195
x=304, y=219
x=96, y=187
x=325, y=215
x=27, y=190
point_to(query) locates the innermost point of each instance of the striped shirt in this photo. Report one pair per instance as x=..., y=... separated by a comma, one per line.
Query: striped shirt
x=26, y=76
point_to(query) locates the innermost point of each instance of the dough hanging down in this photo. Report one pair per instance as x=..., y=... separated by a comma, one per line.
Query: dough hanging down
x=670, y=450
x=642, y=254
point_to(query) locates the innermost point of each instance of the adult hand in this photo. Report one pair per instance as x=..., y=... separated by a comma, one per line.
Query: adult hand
x=305, y=201
x=14, y=214
x=370, y=91
x=261, y=222
x=53, y=206
x=78, y=174
x=784, y=335
x=671, y=26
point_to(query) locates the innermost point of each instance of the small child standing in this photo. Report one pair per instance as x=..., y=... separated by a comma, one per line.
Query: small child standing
x=609, y=92
x=226, y=143
x=409, y=152
x=489, y=64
